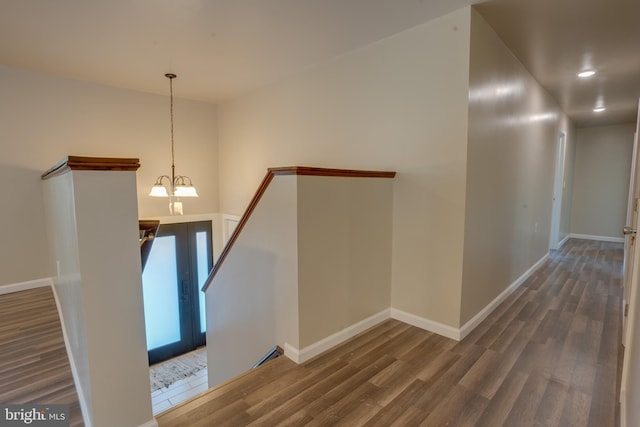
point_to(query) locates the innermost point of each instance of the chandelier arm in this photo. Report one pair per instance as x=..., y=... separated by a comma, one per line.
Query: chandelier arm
x=160, y=178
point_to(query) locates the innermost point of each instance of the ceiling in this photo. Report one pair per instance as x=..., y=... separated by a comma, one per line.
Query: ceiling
x=221, y=49
x=555, y=39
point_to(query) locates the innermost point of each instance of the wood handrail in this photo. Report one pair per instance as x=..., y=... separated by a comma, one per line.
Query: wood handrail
x=93, y=164
x=289, y=170
x=305, y=170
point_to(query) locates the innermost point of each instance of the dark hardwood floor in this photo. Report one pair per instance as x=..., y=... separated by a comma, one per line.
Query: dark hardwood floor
x=34, y=367
x=547, y=356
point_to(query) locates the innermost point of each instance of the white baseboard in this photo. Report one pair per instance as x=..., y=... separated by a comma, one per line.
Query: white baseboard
x=23, y=286
x=623, y=407
x=151, y=423
x=563, y=241
x=307, y=353
x=598, y=238
x=300, y=356
x=84, y=408
x=426, y=324
x=292, y=353
x=485, y=312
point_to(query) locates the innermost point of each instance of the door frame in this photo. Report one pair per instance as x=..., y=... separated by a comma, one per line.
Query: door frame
x=558, y=191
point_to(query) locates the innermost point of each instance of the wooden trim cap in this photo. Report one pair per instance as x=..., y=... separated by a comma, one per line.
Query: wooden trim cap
x=91, y=164
x=313, y=171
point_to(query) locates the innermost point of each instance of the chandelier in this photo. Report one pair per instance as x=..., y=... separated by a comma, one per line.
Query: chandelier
x=175, y=186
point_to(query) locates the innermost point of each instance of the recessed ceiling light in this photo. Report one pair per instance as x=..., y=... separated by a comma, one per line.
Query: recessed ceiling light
x=586, y=73
x=599, y=109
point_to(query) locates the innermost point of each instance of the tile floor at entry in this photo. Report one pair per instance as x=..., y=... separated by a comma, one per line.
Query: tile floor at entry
x=178, y=392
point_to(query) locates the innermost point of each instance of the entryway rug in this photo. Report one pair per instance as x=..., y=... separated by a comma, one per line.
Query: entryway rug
x=165, y=373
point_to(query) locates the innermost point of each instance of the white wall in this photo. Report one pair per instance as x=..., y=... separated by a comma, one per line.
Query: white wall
x=344, y=252
x=101, y=306
x=252, y=304
x=63, y=237
x=601, y=176
x=44, y=118
x=398, y=104
x=514, y=126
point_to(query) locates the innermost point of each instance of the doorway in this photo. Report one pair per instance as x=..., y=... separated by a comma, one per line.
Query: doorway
x=558, y=190
x=179, y=263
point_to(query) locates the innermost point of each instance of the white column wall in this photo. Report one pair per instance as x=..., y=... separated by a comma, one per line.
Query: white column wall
x=93, y=225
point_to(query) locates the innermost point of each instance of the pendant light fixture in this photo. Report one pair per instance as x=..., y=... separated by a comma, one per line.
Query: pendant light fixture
x=179, y=185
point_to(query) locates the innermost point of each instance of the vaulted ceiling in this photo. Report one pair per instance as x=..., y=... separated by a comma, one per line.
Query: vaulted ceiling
x=224, y=48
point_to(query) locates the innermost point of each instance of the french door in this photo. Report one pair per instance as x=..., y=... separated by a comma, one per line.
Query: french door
x=179, y=263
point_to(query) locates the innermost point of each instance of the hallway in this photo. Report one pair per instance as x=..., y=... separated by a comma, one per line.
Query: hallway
x=547, y=356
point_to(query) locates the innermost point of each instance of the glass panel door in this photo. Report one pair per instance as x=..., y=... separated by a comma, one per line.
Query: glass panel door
x=203, y=259
x=179, y=263
x=160, y=291
x=202, y=262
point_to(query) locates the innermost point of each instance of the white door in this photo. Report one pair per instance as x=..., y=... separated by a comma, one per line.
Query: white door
x=558, y=191
x=630, y=387
x=630, y=237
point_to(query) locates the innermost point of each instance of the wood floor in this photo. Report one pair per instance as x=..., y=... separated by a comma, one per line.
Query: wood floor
x=34, y=367
x=548, y=356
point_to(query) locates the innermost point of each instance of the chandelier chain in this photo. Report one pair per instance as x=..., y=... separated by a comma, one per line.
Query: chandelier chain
x=171, y=108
